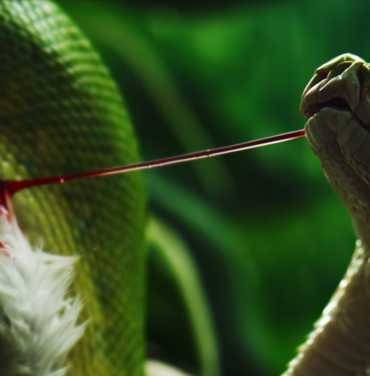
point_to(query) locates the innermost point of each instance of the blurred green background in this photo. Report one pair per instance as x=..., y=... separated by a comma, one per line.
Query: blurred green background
x=260, y=231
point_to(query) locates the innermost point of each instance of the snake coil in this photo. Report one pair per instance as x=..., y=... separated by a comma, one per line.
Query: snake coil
x=60, y=112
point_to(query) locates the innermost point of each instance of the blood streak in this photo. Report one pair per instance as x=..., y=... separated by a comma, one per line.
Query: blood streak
x=10, y=187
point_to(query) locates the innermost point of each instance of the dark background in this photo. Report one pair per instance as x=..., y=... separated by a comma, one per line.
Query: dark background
x=261, y=231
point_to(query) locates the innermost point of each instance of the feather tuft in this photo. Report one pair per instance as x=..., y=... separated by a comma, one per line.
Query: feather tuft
x=38, y=322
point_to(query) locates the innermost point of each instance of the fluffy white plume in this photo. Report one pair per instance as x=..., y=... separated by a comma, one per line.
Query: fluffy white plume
x=37, y=320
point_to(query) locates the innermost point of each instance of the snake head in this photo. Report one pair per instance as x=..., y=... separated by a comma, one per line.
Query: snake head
x=336, y=103
x=343, y=82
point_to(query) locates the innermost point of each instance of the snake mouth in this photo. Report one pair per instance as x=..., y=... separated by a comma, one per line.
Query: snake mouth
x=335, y=103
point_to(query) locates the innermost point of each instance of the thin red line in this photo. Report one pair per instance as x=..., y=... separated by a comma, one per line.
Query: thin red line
x=13, y=186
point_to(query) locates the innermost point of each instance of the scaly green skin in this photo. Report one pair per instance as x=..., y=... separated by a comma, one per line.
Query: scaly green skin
x=337, y=103
x=60, y=112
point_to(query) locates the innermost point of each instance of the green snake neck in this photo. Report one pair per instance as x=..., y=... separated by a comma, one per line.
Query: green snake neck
x=336, y=102
x=340, y=343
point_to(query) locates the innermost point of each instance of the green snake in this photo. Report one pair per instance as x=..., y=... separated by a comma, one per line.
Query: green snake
x=60, y=112
x=337, y=104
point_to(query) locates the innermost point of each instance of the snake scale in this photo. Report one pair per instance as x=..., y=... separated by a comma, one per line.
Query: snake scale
x=60, y=112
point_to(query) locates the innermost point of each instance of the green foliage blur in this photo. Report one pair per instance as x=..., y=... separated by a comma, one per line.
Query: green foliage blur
x=270, y=239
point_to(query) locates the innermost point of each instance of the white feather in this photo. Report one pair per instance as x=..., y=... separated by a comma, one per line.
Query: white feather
x=37, y=319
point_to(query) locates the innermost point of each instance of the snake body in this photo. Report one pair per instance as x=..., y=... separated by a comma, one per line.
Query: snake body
x=337, y=104
x=60, y=112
